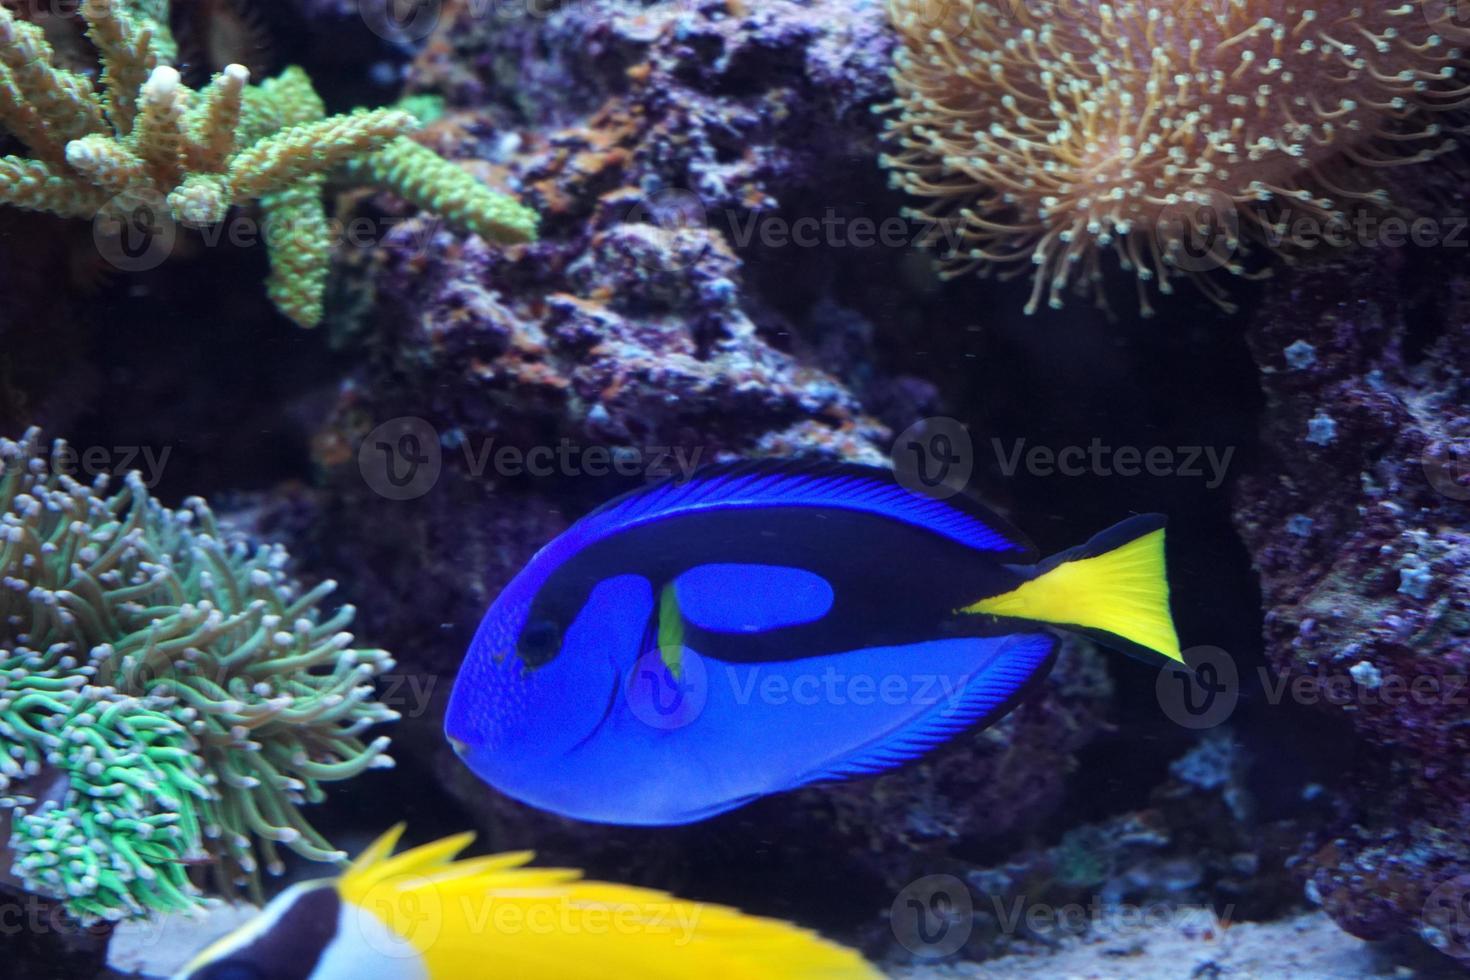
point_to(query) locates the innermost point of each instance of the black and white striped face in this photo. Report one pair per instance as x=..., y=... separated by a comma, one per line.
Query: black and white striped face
x=309, y=933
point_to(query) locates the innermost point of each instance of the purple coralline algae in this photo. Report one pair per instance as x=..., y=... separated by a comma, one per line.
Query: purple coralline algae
x=1368, y=615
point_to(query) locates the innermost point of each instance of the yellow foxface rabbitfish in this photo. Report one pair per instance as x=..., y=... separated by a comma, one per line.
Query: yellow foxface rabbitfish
x=422, y=915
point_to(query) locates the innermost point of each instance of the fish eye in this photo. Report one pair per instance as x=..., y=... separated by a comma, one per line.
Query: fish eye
x=540, y=641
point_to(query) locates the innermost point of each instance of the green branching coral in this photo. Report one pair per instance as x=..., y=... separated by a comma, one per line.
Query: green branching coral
x=168, y=696
x=295, y=219
x=140, y=138
x=296, y=222
x=425, y=179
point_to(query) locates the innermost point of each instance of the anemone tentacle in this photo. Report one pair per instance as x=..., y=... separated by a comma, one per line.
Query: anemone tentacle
x=1054, y=131
x=169, y=696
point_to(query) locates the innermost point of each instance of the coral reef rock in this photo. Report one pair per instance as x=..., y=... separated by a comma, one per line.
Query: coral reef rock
x=633, y=330
x=1358, y=518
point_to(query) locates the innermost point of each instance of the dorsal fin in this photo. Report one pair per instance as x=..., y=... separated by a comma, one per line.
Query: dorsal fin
x=809, y=483
x=437, y=863
x=441, y=908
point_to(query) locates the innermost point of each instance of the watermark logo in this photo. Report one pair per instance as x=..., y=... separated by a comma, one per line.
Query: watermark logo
x=1364, y=685
x=1202, y=692
x=401, y=21
x=672, y=209
x=401, y=459
x=663, y=699
x=1447, y=468
x=933, y=917
x=399, y=916
x=135, y=232
x=934, y=457
x=1447, y=14
x=1198, y=233
x=1446, y=918
x=681, y=214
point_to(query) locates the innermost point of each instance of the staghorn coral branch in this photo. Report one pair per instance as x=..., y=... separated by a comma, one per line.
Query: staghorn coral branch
x=128, y=58
x=296, y=225
x=36, y=186
x=278, y=161
x=150, y=16
x=66, y=103
x=286, y=100
x=108, y=164
x=202, y=199
x=427, y=180
x=159, y=137
x=146, y=139
x=24, y=119
x=212, y=125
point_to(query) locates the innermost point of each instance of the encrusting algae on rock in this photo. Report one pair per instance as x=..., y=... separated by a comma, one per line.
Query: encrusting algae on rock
x=169, y=697
x=140, y=139
x=1051, y=132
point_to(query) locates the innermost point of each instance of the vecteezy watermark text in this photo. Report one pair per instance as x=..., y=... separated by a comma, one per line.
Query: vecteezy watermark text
x=1366, y=229
x=1105, y=918
x=33, y=915
x=834, y=231
x=835, y=687
x=936, y=457
x=683, y=212
x=89, y=462
x=672, y=920
x=1099, y=459
x=138, y=234
x=934, y=916
x=669, y=700
x=569, y=458
x=1204, y=691
x=403, y=458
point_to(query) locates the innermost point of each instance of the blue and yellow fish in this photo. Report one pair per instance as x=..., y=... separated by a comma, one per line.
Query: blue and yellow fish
x=422, y=915
x=693, y=646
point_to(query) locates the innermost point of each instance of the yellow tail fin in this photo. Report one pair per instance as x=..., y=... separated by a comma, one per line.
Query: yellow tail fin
x=1116, y=584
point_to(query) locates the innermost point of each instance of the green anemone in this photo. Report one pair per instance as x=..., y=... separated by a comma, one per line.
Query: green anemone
x=169, y=695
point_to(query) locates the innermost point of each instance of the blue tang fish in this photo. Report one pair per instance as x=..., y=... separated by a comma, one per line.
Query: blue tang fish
x=690, y=647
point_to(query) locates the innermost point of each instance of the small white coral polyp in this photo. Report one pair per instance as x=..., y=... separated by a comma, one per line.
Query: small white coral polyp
x=1172, y=133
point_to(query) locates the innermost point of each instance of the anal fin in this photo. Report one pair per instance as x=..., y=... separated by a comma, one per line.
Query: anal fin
x=1003, y=676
